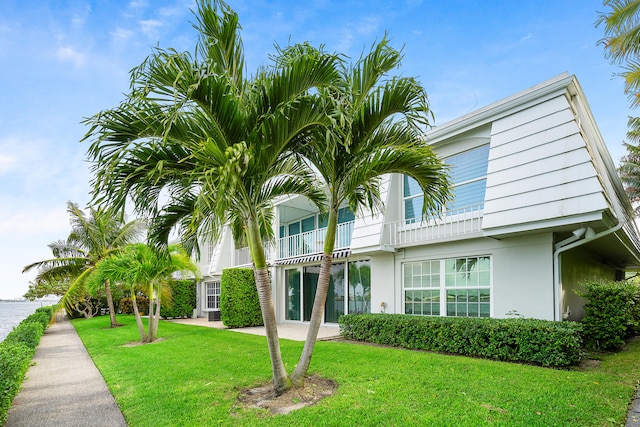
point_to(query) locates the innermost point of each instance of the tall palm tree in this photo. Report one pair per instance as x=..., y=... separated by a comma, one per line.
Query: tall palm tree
x=622, y=41
x=142, y=267
x=93, y=237
x=622, y=46
x=378, y=132
x=196, y=145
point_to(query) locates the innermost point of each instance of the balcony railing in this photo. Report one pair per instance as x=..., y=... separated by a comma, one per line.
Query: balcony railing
x=307, y=243
x=312, y=242
x=451, y=223
x=243, y=257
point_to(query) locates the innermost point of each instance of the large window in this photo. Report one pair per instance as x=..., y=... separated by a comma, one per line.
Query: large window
x=468, y=171
x=459, y=287
x=349, y=290
x=213, y=295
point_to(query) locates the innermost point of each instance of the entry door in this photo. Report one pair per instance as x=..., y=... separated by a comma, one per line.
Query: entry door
x=335, y=304
x=300, y=294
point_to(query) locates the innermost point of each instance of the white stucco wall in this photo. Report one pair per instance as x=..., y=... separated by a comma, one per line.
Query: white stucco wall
x=579, y=266
x=522, y=273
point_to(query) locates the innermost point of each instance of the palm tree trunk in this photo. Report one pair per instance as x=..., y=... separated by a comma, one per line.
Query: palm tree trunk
x=298, y=374
x=157, y=317
x=152, y=302
x=136, y=312
x=281, y=380
x=112, y=311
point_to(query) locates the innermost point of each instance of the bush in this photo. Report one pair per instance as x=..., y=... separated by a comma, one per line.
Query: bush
x=183, y=299
x=539, y=342
x=27, y=333
x=14, y=361
x=239, y=304
x=41, y=317
x=16, y=352
x=126, y=306
x=611, y=313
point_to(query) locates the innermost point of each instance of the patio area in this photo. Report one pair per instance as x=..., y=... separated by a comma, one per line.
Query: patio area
x=290, y=331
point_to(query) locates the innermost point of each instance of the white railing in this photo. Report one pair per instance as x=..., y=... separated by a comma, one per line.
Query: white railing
x=451, y=223
x=312, y=242
x=243, y=257
x=307, y=243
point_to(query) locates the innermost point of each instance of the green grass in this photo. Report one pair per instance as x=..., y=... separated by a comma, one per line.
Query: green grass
x=193, y=377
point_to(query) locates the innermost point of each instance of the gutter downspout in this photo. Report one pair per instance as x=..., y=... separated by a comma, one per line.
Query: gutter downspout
x=557, y=312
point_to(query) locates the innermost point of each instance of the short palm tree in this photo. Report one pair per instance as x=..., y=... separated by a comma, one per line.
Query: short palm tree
x=378, y=132
x=93, y=237
x=195, y=145
x=141, y=267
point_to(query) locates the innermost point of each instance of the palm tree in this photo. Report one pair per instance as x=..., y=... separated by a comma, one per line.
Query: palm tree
x=378, y=132
x=141, y=267
x=622, y=42
x=195, y=145
x=622, y=46
x=94, y=237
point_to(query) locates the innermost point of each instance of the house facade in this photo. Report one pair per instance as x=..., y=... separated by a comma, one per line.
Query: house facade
x=538, y=209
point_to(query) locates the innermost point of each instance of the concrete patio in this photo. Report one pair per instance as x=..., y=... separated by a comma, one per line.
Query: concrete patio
x=290, y=331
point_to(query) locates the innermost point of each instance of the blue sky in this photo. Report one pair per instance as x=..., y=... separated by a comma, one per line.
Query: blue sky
x=65, y=60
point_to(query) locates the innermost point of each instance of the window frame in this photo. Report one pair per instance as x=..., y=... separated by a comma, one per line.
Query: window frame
x=447, y=209
x=216, y=296
x=443, y=290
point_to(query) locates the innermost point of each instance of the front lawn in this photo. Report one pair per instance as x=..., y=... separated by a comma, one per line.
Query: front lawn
x=194, y=375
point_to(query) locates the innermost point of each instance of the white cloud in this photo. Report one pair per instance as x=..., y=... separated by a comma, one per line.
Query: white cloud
x=121, y=34
x=7, y=162
x=150, y=27
x=525, y=38
x=67, y=53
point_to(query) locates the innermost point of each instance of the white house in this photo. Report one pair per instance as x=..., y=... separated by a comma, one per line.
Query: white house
x=538, y=208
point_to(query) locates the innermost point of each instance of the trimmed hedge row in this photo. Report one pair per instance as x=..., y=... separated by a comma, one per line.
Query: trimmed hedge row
x=16, y=352
x=183, y=295
x=540, y=342
x=239, y=303
x=612, y=313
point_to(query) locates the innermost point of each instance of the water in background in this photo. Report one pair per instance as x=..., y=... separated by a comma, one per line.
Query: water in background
x=14, y=312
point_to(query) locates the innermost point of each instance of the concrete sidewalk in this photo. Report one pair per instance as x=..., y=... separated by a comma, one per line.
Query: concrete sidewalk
x=63, y=387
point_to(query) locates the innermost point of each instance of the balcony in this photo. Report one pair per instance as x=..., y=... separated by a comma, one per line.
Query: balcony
x=307, y=243
x=451, y=224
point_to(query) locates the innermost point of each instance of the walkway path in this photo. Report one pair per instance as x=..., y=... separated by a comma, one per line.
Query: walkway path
x=63, y=387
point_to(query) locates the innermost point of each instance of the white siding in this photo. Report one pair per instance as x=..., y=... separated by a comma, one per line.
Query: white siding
x=539, y=169
x=367, y=229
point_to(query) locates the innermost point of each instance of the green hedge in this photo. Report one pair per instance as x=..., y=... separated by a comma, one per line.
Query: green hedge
x=539, y=342
x=16, y=352
x=612, y=313
x=126, y=306
x=183, y=300
x=239, y=304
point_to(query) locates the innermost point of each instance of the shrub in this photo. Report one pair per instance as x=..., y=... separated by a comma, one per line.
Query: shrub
x=14, y=361
x=611, y=313
x=126, y=306
x=239, y=304
x=183, y=299
x=43, y=317
x=27, y=333
x=16, y=352
x=539, y=342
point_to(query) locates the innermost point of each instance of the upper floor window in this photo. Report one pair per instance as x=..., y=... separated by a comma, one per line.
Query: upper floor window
x=468, y=171
x=314, y=222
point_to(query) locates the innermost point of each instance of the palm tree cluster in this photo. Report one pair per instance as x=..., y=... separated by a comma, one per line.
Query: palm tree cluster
x=93, y=237
x=197, y=145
